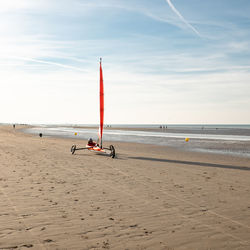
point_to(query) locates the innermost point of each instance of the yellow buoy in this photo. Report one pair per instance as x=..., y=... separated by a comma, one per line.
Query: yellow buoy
x=75, y=133
x=186, y=139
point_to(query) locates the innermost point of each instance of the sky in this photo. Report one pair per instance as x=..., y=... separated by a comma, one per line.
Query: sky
x=164, y=61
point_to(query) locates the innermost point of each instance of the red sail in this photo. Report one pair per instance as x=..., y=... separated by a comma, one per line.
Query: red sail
x=101, y=105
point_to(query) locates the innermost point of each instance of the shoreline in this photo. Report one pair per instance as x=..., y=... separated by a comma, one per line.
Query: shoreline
x=182, y=129
x=218, y=143
x=148, y=197
x=220, y=129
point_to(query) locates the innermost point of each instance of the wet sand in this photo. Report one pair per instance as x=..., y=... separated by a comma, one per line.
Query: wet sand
x=148, y=197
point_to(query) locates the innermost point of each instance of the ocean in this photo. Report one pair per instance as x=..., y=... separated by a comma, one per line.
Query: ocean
x=221, y=139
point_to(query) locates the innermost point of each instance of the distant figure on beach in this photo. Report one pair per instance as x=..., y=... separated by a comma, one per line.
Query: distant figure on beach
x=14, y=126
x=40, y=134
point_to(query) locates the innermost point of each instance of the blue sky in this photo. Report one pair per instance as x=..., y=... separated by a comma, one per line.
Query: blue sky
x=164, y=61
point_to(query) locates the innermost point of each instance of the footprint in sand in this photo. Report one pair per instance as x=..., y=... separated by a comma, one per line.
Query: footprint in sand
x=48, y=241
x=106, y=244
x=27, y=245
x=135, y=225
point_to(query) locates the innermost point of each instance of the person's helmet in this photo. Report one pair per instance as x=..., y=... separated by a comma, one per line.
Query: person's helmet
x=90, y=140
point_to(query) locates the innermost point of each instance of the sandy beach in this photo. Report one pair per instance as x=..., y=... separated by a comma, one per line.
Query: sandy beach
x=148, y=197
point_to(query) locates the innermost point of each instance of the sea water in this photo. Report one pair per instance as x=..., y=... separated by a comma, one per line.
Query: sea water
x=225, y=139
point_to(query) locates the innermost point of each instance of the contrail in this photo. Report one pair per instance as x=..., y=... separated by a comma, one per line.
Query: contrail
x=181, y=17
x=48, y=62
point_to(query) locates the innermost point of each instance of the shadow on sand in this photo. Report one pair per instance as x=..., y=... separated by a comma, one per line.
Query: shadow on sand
x=202, y=164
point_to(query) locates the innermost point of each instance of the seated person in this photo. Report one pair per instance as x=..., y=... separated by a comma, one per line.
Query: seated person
x=91, y=143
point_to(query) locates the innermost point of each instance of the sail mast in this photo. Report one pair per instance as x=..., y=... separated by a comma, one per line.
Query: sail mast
x=101, y=105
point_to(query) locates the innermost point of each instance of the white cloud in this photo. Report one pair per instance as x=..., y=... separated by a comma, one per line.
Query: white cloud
x=182, y=18
x=66, y=96
x=239, y=46
x=13, y=5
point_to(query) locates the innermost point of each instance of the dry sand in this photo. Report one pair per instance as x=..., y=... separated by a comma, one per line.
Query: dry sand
x=146, y=198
